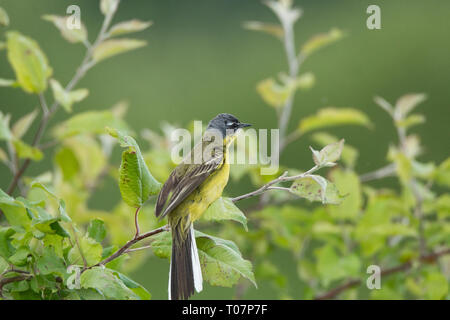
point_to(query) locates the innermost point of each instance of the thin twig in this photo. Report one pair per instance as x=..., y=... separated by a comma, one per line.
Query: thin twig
x=429, y=258
x=268, y=186
x=130, y=243
x=381, y=173
x=294, y=65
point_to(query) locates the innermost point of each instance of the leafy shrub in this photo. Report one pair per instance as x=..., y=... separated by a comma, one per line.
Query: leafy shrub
x=54, y=246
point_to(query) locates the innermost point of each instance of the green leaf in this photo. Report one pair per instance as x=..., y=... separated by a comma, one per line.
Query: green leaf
x=14, y=211
x=273, y=93
x=134, y=286
x=109, y=285
x=23, y=124
x=62, y=206
x=225, y=209
x=96, y=230
x=349, y=153
x=89, y=122
x=136, y=183
x=162, y=245
x=332, y=267
x=108, y=7
x=19, y=258
x=384, y=105
x=67, y=99
x=321, y=40
x=305, y=81
x=407, y=103
x=269, y=28
x=6, y=248
x=25, y=151
x=129, y=27
x=4, y=19
x=222, y=263
x=28, y=61
x=92, y=252
x=310, y=189
x=3, y=265
x=72, y=35
x=411, y=120
x=442, y=174
x=114, y=47
x=5, y=132
x=348, y=183
x=50, y=263
x=331, y=117
x=436, y=286
x=329, y=154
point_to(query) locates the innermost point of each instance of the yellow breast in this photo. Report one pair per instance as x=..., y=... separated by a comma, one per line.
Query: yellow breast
x=208, y=192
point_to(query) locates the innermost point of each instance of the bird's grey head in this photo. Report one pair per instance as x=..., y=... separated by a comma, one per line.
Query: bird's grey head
x=226, y=124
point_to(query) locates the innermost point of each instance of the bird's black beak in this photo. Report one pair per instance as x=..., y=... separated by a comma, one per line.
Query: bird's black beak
x=244, y=125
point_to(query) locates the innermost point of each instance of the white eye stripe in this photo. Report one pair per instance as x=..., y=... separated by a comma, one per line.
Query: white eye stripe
x=229, y=123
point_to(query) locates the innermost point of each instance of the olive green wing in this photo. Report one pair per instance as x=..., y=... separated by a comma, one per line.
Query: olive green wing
x=182, y=181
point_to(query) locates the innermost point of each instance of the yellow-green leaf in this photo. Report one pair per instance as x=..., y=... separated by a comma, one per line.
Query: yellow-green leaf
x=348, y=183
x=305, y=81
x=91, y=251
x=5, y=132
x=67, y=99
x=89, y=122
x=105, y=282
x=331, y=117
x=273, y=93
x=225, y=209
x=113, y=47
x=136, y=183
x=349, y=153
x=407, y=103
x=23, y=124
x=309, y=188
x=129, y=27
x=269, y=28
x=72, y=35
x=25, y=151
x=321, y=40
x=108, y=7
x=28, y=61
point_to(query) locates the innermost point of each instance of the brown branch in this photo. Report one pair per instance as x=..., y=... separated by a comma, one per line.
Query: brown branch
x=429, y=258
x=5, y=281
x=130, y=243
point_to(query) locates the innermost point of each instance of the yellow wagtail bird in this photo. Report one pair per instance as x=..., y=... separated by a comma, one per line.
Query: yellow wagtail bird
x=191, y=187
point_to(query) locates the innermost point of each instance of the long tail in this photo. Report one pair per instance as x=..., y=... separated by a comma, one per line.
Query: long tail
x=185, y=272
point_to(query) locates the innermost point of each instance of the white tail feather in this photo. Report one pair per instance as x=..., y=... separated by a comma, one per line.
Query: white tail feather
x=170, y=279
x=196, y=268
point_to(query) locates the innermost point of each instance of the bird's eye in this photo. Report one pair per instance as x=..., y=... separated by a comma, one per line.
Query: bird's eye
x=231, y=124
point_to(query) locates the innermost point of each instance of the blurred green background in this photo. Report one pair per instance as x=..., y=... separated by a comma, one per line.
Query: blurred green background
x=200, y=62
